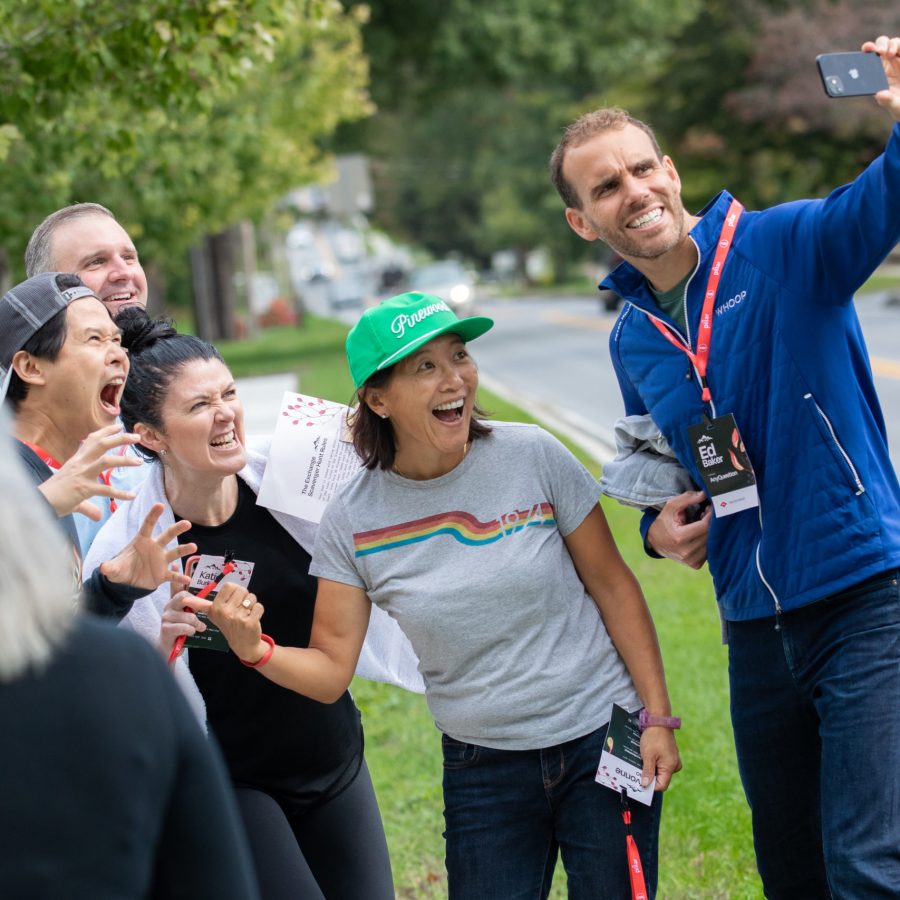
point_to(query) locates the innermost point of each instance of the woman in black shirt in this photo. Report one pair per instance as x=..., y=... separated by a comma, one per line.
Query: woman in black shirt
x=297, y=765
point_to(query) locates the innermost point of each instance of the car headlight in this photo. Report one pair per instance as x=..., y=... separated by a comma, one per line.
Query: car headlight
x=459, y=293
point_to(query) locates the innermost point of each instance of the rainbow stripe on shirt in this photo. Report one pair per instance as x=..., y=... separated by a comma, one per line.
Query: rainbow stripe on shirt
x=459, y=525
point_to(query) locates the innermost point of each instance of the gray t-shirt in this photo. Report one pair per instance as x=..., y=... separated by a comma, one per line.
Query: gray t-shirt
x=474, y=568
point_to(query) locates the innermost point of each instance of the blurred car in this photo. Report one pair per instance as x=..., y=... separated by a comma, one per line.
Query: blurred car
x=449, y=280
x=610, y=300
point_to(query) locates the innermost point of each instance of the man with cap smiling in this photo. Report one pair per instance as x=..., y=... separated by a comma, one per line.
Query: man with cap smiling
x=63, y=370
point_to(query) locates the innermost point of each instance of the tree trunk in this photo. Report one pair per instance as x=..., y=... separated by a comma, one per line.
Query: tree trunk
x=212, y=275
x=222, y=256
x=201, y=279
x=246, y=234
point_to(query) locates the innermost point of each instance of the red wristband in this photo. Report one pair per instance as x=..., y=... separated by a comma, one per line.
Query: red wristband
x=265, y=657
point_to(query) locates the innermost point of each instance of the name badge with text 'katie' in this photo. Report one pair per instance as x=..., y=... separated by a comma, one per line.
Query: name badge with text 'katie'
x=724, y=465
x=203, y=570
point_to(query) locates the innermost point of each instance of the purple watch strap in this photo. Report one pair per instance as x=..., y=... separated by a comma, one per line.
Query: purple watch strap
x=645, y=720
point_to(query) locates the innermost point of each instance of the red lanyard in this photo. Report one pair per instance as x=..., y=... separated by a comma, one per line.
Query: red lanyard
x=635, y=869
x=229, y=566
x=43, y=455
x=700, y=358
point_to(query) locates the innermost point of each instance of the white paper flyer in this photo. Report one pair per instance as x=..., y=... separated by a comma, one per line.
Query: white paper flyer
x=620, y=762
x=311, y=456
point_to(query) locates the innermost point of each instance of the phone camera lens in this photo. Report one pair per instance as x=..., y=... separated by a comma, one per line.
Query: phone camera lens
x=836, y=85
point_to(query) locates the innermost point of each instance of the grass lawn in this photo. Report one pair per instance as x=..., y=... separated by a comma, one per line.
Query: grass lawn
x=706, y=847
x=882, y=281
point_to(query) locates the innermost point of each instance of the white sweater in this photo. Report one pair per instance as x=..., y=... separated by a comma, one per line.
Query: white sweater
x=386, y=654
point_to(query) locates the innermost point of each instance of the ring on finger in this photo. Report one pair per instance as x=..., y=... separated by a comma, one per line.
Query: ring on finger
x=246, y=603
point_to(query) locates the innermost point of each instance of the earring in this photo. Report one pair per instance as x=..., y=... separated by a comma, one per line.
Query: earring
x=162, y=453
x=384, y=415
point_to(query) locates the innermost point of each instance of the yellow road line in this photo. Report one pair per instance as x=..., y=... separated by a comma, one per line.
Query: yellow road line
x=887, y=368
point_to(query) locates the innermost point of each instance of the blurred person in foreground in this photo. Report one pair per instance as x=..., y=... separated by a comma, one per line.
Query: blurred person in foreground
x=486, y=543
x=87, y=240
x=109, y=787
x=63, y=370
x=297, y=765
x=805, y=569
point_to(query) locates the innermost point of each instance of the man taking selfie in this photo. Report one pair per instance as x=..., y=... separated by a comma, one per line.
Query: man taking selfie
x=740, y=339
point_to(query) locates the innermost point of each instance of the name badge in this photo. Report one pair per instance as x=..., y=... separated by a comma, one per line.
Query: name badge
x=206, y=569
x=620, y=761
x=724, y=465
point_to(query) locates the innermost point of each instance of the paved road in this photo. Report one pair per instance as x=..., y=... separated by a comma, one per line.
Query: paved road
x=550, y=355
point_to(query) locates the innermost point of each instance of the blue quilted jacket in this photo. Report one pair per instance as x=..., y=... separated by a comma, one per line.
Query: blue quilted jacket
x=788, y=360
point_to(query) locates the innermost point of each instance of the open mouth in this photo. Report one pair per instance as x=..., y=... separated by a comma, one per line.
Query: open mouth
x=110, y=394
x=122, y=298
x=646, y=219
x=225, y=441
x=449, y=412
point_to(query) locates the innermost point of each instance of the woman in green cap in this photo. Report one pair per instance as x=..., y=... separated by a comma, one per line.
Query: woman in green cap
x=486, y=543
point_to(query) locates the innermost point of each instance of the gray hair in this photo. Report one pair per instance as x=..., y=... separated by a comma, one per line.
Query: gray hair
x=38, y=255
x=37, y=583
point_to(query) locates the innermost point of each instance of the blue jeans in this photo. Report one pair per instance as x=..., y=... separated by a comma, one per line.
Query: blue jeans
x=509, y=812
x=815, y=705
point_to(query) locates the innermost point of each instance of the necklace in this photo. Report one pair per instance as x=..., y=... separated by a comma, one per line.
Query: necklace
x=465, y=453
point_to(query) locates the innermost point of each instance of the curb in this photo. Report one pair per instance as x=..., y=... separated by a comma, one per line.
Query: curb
x=597, y=442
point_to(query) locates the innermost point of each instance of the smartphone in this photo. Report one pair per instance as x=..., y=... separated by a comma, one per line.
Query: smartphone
x=851, y=74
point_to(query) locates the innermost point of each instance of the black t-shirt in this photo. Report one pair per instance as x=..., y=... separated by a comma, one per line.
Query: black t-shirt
x=272, y=737
x=110, y=789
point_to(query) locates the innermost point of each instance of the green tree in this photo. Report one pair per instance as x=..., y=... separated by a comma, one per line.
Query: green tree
x=747, y=109
x=183, y=116
x=472, y=98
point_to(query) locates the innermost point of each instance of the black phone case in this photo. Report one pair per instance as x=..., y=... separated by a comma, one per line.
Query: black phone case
x=851, y=74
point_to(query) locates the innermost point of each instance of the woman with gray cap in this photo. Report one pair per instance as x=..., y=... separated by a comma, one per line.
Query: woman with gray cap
x=486, y=543
x=63, y=371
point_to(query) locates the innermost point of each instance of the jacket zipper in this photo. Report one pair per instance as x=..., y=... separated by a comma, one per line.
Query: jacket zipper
x=712, y=405
x=860, y=488
x=762, y=577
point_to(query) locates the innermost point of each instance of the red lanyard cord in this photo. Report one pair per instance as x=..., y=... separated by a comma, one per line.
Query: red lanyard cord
x=43, y=455
x=635, y=869
x=700, y=357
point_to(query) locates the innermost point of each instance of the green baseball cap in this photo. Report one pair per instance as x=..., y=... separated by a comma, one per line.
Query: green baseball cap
x=387, y=333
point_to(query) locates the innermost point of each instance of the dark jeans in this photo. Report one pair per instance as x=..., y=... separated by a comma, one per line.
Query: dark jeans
x=509, y=812
x=815, y=706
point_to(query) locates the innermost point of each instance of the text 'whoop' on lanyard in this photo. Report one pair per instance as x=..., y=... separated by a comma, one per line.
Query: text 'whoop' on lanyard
x=700, y=356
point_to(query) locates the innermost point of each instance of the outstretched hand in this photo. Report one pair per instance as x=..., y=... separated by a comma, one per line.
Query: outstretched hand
x=889, y=51
x=69, y=487
x=145, y=562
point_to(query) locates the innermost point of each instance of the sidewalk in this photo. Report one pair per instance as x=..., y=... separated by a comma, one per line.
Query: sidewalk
x=261, y=396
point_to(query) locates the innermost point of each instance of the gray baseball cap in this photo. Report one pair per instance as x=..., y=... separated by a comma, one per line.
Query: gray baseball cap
x=27, y=308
